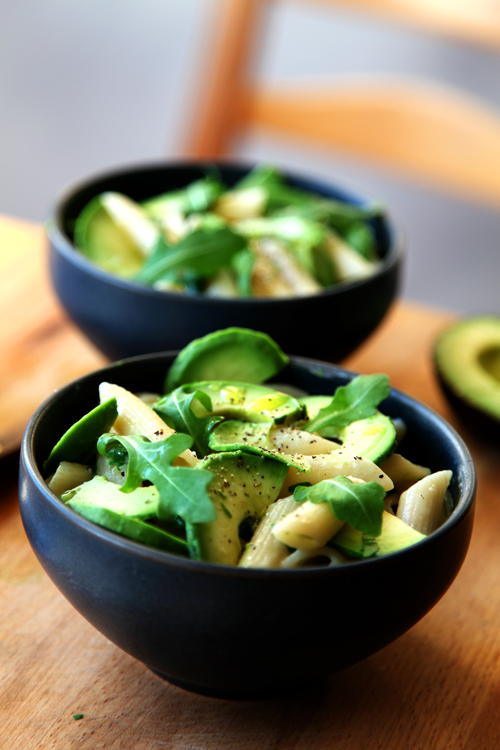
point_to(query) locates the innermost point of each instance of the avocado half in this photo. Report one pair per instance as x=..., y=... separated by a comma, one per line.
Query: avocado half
x=467, y=362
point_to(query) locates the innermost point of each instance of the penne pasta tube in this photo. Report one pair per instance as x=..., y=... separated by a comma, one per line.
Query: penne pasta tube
x=291, y=441
x=264, y=550
x=238, y=205
x=420, y=506
x=112, y=473
x=335, y=464
x=137, y=418
x=309, y=527
x=349, y=264
x=277, y=273
x=403, y=473
x=69, y=475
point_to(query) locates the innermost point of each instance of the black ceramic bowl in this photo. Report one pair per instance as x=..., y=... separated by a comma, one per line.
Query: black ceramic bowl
x=123, y=318
x=230, y=631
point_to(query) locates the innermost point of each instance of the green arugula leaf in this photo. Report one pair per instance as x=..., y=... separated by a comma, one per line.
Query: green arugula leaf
x=300, y=491
x=243, y=264
x=203, y=251
x=359, y=505
x=262, y=175
x=357, y=400
x=177, y=410
x=361, y=237
x=201, y=194
x=196, y=197
x=182, y=490
x=340, y=215
x=117, y=456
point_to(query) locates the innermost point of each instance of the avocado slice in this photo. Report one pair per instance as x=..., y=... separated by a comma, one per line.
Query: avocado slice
x=232, y=353
x=467, y=362
x=114, y=232
x=100, y=493
x=78, y=444
x=133, y=528
x=243, y=486
x=251, y=437
x=354, y=543
x=373, y=437
x=248, y=402
x=396, y=535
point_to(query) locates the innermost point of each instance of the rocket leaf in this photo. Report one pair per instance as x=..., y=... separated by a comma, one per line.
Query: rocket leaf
x=182, y=490
x=357, y=400
x=359, y=505
x=177, y=410
x=203, y=251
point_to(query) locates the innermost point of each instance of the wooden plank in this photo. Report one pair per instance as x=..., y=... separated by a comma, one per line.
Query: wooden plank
x=225, y=71
x=40, y=349
x=415, y=128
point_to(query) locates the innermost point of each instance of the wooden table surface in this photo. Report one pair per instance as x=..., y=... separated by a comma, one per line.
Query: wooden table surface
x=438, y=686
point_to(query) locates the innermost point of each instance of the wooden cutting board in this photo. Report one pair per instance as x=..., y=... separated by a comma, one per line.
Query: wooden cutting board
x=40, y=349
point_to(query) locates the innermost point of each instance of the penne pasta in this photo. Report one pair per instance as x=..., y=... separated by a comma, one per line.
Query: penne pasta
x=336, y=464
x=292, y=441
x=309, y=527
x=421, y=505
x=349, y=264
x=69, y=475
x=135, y=417
x=264, y=550
x=403, y=473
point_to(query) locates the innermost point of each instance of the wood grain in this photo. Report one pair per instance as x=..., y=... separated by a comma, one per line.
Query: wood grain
x=437, y=687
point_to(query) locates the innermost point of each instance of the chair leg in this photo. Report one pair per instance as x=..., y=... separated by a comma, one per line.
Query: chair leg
x=224, y=78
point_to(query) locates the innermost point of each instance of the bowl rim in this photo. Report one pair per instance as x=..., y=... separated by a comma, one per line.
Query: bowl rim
x=62, y=244
x=468, y=486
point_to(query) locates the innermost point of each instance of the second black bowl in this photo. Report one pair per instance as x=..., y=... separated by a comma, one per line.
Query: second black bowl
x=124, y=318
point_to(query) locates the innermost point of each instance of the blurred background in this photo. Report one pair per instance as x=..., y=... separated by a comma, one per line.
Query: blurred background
x=87, y=85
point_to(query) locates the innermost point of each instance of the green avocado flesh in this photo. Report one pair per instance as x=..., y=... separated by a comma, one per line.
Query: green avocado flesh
x=99, y=492
x=251, y=437
x=114, y=232
x=233, y=353
x=132, y=528
x=78, y=444
x=237, y=476
x=246, y=401
x=396, y=535
x=373, y=437
x=467, y=359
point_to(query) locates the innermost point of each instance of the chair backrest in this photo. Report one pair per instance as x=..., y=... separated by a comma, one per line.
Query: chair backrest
x=417, y=127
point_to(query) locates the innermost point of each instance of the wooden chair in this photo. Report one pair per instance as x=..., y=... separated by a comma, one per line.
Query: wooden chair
x=424, y=130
